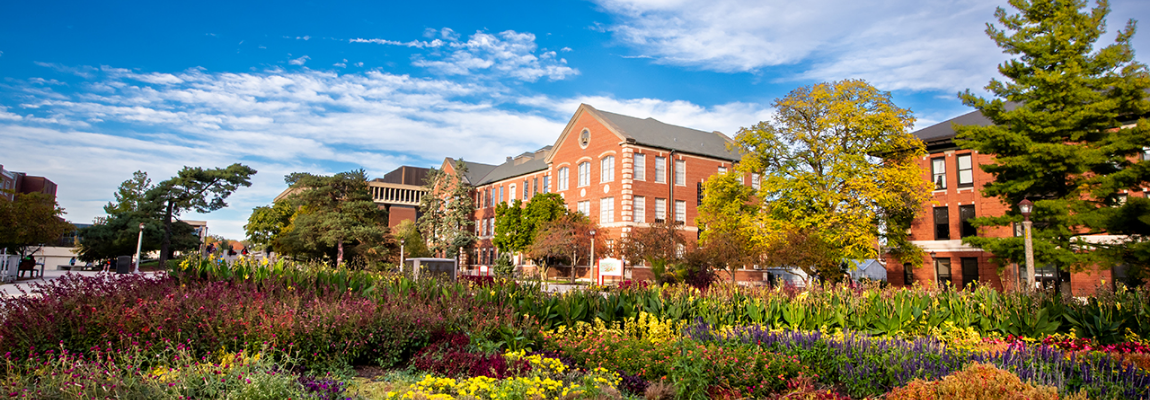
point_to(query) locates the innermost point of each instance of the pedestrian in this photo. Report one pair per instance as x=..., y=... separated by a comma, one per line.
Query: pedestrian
x=72, y=262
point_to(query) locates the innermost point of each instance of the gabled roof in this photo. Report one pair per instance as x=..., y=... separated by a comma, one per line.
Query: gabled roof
x=475, y=171
x=655, y=133
x=944, y=131
x=510, y=169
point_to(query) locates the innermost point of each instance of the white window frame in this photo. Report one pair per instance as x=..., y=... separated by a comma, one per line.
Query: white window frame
x=546, y=183
x=938, y=172
x=607, y=210
x=584, y=174
x=511, y=196
x=639, y=209
x=681, y=211
x=756, y=181
x=660, y=209
x=640, y=166
x=607, y=169
x=564, y=178
x=722, y=170
x=967, y=172
x=584, y=207
x=660, y=169
x=680, y=173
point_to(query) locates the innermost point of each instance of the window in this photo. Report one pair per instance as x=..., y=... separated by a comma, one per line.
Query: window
x=534, y=186
x=584, y=207
x=965, y=171
x=607, y=210
x=941, y=223
x=756, y=181
x=525, y=192
x=722, y=170
x=584, y=174
x=564, y=178
x=660, y=210
x=969, y=271
x=488, y=197
x=942, y=270
x=938, y=173
x=680, y=172
x=1145, y=153
x=1120, y=199
x=547, y=184
x=640, y=209
x=680, y=211
x=660, y=170
x=501, y=194
x=511, y=194
x=965, y=213
x=907, y=275
x=640, y=167
x=607, y=169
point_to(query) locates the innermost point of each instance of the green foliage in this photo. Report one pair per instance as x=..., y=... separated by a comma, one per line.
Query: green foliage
x=266, y=223
x=119, y=232
x=334, y=212
x=29, y=220
x=503, y=265
x=516, y=224
x=414, y=245
x=198, y=189
x=837, y=162
x=1061, y=135
x=566, y=238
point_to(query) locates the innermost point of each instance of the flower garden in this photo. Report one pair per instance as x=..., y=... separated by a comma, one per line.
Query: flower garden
x=254, y=330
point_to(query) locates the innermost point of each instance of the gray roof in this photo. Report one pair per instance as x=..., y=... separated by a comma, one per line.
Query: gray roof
x=509, y=170
x=475, y=171
x=652, y=132
x=944, y=131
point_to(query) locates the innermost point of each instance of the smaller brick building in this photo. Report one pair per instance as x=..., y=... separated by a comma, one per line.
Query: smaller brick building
x=20, y=182
x=957, y=196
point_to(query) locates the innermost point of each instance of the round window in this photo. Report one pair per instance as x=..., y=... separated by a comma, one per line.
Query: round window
x=585, y=138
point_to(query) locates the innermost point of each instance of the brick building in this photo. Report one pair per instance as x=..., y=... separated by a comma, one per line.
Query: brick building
x=624, y=172
x=20, y=182
x=957, y=196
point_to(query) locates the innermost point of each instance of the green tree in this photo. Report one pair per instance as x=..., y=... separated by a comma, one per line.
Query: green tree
x=516, y=223
x=729, y=206
x=337, y=212
x=836, y=161
x=447, y=210
x=1062, y=135
x=117, y=235
x=509, y=228
x=202, y=190
x=30, y=220
x=414, y=245
x=267, y=223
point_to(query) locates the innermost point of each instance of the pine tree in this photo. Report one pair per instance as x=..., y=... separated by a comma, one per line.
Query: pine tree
x=1064, y=132
x=447, y=210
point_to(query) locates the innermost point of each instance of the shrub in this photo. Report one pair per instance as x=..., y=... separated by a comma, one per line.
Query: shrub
x=450, y=356
x=975, y=382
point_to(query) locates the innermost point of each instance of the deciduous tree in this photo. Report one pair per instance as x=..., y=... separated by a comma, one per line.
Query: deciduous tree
x=1068, y=133
x=566, y=238
x=447, y=210
x=836, y=161
x=30, y=220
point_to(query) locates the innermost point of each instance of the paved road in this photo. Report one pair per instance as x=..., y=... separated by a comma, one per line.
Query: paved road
x=13, y=289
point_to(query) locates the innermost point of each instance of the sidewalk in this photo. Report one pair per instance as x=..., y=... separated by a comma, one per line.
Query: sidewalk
x=13, y=289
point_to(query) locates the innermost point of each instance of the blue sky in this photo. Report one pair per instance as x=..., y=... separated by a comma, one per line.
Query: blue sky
x=90, y=92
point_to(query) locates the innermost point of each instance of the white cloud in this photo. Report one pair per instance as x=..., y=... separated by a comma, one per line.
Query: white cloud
x=280, y=121
x=299, y=61
x=359, y=64
x=899, y=44
x=506, y=54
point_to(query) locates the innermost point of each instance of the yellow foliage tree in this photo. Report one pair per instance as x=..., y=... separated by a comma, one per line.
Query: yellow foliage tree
x=836, y=161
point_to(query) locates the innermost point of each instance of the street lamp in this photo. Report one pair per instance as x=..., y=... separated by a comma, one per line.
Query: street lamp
x=402, y=241
x=139, y=243
x=591, y=266
x=1026, y=207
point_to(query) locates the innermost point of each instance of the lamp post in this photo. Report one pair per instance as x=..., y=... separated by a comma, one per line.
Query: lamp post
x=139, y=243
x=402, y=241
x=591, y=266
x=934, y=265
x=1026, y=207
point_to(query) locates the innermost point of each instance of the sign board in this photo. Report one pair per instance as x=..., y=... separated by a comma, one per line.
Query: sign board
x=611, y=267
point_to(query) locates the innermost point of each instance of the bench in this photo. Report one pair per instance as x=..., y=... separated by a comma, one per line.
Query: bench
x=30, y=268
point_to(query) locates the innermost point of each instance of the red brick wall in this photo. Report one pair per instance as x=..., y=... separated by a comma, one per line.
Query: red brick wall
x=397, y=214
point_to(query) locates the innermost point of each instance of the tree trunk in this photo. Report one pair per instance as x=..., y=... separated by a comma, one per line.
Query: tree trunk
x=167, y=243
x=574, y=262
x=339, y=253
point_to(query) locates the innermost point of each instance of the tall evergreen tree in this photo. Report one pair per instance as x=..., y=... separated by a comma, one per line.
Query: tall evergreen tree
x=337, y=212
x=1068, y=129
x=202, y=190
